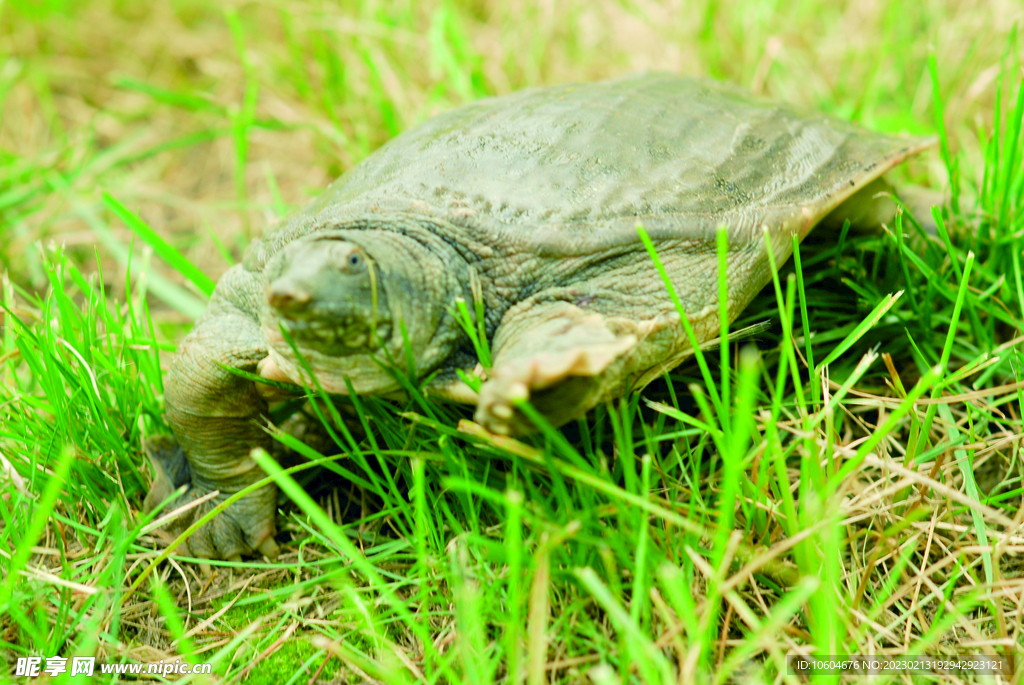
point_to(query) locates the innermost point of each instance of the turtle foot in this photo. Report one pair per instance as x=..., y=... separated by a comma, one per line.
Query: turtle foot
x=558, y=383
x=246, y=527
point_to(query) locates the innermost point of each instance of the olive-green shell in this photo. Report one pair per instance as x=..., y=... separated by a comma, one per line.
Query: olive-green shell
x=574, y=168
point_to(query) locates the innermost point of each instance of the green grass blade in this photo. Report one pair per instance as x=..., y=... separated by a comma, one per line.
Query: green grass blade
x=160, y=246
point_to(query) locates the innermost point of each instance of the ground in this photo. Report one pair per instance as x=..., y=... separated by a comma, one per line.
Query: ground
x=843, y=480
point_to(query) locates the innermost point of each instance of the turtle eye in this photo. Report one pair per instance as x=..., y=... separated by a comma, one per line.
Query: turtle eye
x=355, y=262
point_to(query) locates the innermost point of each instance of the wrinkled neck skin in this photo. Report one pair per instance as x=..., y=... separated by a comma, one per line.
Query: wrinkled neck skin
x=345, y=317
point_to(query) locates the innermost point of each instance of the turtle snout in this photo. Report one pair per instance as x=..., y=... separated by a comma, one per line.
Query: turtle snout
x=288, y=297
x=320, y=277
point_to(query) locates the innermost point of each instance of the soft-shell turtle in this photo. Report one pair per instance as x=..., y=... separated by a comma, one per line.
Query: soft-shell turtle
x=530, y=202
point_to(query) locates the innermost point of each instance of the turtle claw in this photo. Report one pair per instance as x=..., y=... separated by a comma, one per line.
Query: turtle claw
x=538, y=378
x=496, y=407
x=239, y=529
x=244, y=527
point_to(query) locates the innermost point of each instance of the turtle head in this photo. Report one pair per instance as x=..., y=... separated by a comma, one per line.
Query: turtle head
x=343, y=298
x=326, y=295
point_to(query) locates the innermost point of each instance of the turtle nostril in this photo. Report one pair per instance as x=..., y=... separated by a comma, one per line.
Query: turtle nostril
x=286, y=297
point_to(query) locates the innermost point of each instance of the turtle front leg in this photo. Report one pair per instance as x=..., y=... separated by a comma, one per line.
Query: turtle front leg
x=561, y=358
x=218, y=418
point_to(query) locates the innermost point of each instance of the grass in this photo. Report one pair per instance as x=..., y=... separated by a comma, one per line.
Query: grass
x=847, y=481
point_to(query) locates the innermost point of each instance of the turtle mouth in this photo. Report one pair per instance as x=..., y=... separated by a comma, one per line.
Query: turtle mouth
x=334, y=333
